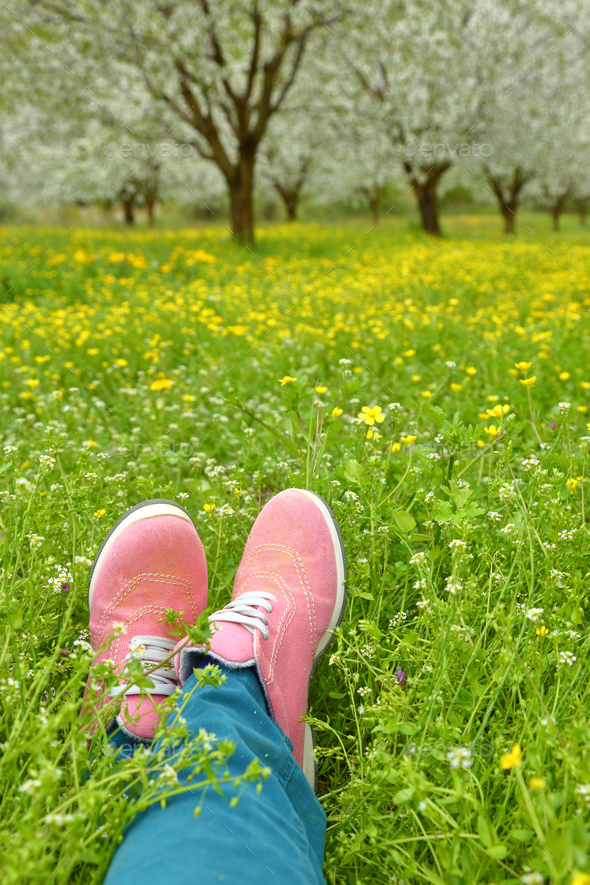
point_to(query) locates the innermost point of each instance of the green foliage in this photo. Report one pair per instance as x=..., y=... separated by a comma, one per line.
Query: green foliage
x=466, y=532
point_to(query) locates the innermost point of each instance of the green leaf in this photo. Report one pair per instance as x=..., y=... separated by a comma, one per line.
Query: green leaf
x=442, y=511
x=403, y=795
x=521, y=835
x=406, y=728
x=486, y=831
x=355, y=472
x=498, y=852
x=404, y=521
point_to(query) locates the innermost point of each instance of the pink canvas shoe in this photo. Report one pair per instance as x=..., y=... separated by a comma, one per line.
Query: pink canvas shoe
x=288, y=597
x=152, y=560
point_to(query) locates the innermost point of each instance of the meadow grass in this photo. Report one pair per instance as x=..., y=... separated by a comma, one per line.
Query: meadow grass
x=437, y=394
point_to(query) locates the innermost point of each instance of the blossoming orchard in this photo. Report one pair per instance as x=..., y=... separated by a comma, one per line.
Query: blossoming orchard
x=338, y=248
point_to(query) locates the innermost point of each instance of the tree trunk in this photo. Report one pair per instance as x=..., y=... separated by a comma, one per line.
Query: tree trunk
x=374, y=199
x=428, y=206
x=509, y=213
x=129, y=208
x=290, y=198
x=557, y=209
x=426, y=195
x=241, y=198
x=582, y=206
x=507, y=196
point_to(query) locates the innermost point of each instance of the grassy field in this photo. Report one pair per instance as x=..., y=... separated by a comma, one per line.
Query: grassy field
x=437, y=394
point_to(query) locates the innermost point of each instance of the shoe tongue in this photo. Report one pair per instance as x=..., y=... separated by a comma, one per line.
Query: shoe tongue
x=232, y=642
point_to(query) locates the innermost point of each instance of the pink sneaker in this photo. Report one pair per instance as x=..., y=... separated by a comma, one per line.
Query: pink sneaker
x=152, y=560
x=288, y=597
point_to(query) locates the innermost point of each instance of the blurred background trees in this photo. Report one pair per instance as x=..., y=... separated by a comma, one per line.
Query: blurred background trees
x=220, y=108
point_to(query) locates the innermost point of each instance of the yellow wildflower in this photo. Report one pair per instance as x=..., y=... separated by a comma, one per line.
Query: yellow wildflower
x=121, y=362
x=564, y=375
x=32, y=382
x=286, y=379
x=492, y=398
x=98, y=514
x=416, y=377
x=528, y=382
x=161, y=384
x=371, y=414
x=320, y=390
x=582, y=409
x=357, y=369
x=471, y=370
x=336, y=412
x=511, y=759
x=188, y=398
x=492, y=431
x=395, y=447
x=425, y=393
x=498, y=411
x=93, y=351
x=580, y=879
x=408, y=440
x=523, y=367
x=542, y=630
x=456, y=387
x=573, y=484
x=410, y=352
x=585, y=385
x=537, y=783
x=209, y=508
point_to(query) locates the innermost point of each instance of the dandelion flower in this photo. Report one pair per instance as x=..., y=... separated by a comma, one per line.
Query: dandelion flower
x=511, y=759
x=161, y=384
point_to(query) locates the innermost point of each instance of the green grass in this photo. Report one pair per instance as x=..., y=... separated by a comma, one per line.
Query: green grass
x=466, y=533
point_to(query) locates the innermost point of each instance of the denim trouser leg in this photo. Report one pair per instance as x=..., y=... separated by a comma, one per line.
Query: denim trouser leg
x=275, y=836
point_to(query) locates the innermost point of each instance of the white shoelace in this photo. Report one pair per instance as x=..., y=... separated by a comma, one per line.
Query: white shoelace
x=150, y=650
x=248, y=610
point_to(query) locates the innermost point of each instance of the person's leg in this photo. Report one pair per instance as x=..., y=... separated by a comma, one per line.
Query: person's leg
x=288, y=596
x=276, y=835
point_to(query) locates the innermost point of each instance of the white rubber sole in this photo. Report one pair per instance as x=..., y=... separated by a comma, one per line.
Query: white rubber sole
x=146, y=510
x=309, y=763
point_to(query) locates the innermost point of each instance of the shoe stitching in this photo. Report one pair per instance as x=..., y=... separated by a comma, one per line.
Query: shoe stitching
x=137, y=614
x=131, y=585
x=285, y=617
x=303, y=580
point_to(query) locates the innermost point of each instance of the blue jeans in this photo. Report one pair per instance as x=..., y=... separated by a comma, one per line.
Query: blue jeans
x=275, y=836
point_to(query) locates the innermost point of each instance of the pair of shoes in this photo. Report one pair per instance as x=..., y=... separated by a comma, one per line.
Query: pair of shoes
x=288, y=597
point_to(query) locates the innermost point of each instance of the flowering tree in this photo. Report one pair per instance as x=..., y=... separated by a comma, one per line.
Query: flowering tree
x=217, y=73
